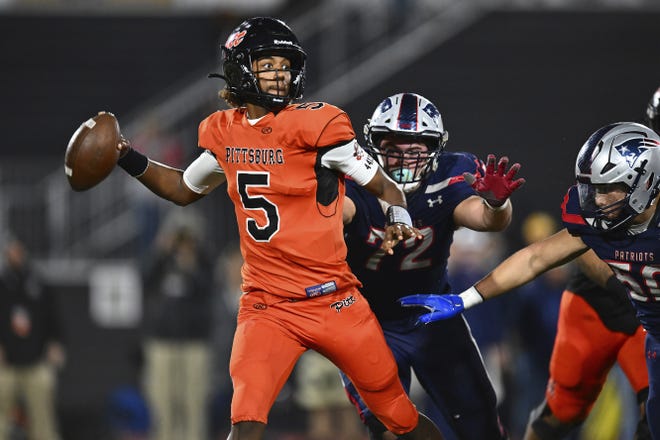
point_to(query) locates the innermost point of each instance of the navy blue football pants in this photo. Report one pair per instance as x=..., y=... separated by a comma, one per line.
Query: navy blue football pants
x=448, y=365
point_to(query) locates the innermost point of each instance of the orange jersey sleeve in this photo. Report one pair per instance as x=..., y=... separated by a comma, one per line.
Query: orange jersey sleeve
x=288, y=208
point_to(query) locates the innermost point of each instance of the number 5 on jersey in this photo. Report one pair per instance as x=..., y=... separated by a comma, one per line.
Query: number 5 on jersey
x=267, y=231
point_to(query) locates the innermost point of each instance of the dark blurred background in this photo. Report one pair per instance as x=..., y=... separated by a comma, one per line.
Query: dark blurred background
x=528, y=79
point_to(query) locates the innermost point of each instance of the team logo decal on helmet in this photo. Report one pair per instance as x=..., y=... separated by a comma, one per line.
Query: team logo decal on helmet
x=631, y=151
x=254, y=38
x=625, y=155
x=407, y=116
x=235, y=39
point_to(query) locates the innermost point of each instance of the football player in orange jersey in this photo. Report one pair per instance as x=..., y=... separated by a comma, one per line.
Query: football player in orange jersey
x=284, y=165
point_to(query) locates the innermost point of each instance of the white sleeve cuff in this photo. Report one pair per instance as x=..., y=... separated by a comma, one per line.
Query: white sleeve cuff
x=204, y=174
x=351, y=160
x=471, y=297
x=497, y=208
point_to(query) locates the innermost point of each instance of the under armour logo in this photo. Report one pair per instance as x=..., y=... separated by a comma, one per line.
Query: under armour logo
x=651, y=354
x=432, y=202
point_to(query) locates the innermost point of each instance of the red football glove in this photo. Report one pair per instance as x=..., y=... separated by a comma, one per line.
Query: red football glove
x=495, y=187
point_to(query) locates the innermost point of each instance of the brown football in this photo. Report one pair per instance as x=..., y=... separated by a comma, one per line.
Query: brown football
x=92, y=151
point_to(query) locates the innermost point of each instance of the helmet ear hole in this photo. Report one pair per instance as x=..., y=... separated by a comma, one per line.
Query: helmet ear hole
x=649, y=181
x=233, y=73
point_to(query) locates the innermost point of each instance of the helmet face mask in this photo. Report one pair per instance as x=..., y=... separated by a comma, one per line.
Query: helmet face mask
x=253, y=39
x=623, y=159
x=407, y=166
x=611, y=216
x=406, y=118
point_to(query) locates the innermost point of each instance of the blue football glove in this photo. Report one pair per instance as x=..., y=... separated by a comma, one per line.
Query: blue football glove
x=440, y=306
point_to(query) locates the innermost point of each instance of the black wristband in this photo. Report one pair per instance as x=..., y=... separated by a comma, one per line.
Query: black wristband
x=134, y=163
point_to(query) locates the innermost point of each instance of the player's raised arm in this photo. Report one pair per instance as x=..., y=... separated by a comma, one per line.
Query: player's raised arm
x=596, y=269
x=178, y=186
x=520, y=268
x=353, y=161
x=530, y=262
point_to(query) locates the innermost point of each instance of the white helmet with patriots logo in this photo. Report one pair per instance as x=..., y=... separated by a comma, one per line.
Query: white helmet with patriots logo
x=406, y=115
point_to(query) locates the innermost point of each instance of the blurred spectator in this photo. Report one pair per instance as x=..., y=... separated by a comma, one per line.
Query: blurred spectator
x=165, y=147
x=534, y=326
x=473, y=254
x=126, y=409
x=178, y=284
x=319, y=391
x=30, y=347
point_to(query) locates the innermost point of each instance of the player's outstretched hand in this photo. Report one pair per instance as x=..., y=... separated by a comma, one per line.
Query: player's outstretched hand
x=397, y=232
x=440, y=306
x=495, y=185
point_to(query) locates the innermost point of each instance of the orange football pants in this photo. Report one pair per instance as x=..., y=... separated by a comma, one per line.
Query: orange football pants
x=584, y=352
x=272, y=333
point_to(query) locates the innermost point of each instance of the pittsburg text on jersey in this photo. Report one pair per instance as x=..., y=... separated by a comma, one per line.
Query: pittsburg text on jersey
x=263, y=156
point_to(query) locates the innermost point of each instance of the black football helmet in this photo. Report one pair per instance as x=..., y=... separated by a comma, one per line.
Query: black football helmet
x=255, y=38
x=653, y=111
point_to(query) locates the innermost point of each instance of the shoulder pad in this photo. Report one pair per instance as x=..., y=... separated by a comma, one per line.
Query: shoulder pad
x=320, y=124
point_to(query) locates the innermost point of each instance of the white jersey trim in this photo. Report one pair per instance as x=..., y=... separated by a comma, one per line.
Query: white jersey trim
x=204, y=174
x=353, y=161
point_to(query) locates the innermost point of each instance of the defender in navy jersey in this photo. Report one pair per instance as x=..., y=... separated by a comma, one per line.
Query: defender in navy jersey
x=612, y=209
x=407, y=137
x=596, y=327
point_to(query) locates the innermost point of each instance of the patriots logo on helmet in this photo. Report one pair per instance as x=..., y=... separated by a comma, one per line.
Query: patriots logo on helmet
x=385, y=105
x=631, y=150
x=431, y=110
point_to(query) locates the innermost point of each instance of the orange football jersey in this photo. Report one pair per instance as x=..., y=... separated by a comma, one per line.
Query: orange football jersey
x=288, y=207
